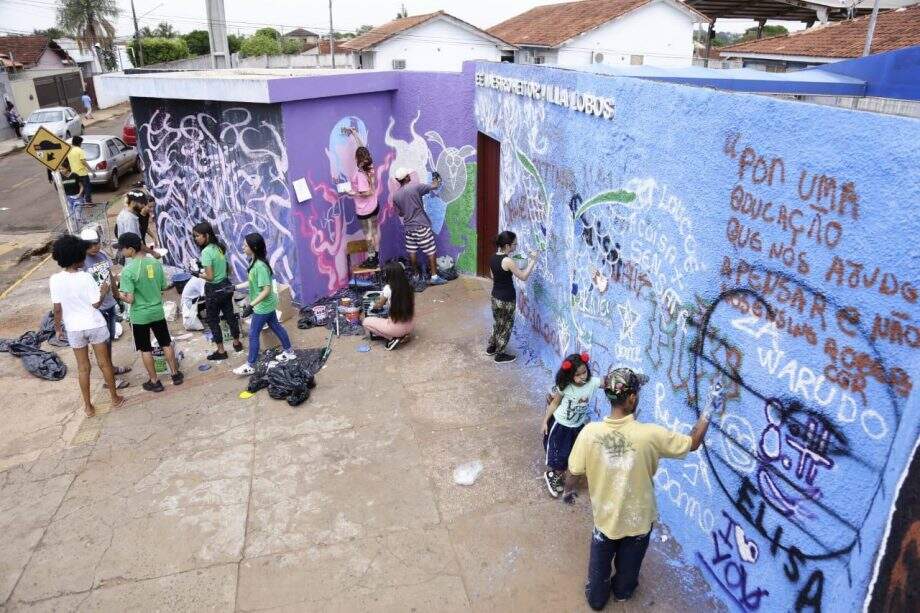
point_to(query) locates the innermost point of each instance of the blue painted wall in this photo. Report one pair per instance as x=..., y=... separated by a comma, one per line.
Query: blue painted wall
x=894, y=74
x=705, y=215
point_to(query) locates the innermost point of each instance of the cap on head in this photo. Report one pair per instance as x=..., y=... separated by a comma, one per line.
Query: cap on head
x=621, y=382
x=90, y=235
x=129, y=240
x=401, y=173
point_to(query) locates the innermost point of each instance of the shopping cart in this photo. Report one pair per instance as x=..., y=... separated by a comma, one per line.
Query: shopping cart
x=94, y=215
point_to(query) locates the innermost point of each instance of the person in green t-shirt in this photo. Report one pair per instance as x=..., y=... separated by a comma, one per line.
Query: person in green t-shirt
x=142, y=285
x=218, y=290
x=262, y=303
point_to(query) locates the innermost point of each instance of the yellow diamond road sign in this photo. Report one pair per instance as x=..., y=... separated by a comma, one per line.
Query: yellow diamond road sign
x=48, y=149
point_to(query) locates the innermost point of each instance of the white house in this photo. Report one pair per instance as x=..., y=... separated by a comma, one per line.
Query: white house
x=319, y=55
x=613, y=32
x=436, y=41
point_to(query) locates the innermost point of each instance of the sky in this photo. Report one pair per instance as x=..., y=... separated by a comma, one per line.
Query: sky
x=246, y=16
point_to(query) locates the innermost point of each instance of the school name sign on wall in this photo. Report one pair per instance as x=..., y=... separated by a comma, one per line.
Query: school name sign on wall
x=599, y=106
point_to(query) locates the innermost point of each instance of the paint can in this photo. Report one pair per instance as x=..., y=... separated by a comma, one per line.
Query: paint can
x=159, y=362
x=352, y=314
x=319, y=313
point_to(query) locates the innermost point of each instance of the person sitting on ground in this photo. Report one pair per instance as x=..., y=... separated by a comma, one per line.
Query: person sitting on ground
x=397, y=326
x=99, y=265
x=504, y=296
x=262, y=304
x=128, y=220
x=218, y=289
x=76, y=159
x=620, y=455
x=142, y=286
x=76, y=299
x=417, y=226
x=566, y=415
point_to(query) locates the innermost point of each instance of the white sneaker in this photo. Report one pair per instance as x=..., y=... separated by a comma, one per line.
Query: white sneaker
x=244, y=370
x=287, y=356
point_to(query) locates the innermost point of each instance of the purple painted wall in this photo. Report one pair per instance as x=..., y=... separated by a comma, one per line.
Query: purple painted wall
x=426, y=123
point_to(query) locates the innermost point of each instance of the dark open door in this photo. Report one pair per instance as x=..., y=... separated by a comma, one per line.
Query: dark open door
x=488, y=155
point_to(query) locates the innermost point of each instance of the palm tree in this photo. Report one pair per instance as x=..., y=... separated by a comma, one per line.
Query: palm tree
x=89, y=21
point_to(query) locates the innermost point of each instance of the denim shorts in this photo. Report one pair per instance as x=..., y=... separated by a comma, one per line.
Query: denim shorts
x=82, y=338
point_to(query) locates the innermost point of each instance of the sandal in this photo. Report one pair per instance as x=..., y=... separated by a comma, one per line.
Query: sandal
x=121, y=370
x=120, y=384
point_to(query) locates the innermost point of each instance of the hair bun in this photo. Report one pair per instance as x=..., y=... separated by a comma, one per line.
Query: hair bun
x=585, y=357
x=566, y=365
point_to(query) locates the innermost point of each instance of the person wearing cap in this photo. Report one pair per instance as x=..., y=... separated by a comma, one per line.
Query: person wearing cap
x=142, y=285
x=417, y=226
x=619, y=456
x=76, y=299
x=99, y=266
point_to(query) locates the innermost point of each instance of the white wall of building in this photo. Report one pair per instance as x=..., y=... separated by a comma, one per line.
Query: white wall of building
x=660, y=34
x=105, y=96
x=435, y=45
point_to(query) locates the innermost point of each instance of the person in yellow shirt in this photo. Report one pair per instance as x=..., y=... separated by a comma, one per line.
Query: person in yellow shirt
x=76, y=158
x=619, y=456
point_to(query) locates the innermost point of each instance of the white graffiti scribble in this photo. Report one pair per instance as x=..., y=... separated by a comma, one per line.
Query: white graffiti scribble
x=228, y=169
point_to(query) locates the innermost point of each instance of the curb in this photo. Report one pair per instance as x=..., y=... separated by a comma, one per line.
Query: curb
x=3, y=154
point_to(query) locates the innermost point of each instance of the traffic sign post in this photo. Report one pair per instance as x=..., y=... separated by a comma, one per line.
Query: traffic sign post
x=51, y=151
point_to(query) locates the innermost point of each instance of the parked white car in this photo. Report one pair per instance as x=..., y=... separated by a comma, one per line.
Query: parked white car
x=62, y=121
x=109, y=159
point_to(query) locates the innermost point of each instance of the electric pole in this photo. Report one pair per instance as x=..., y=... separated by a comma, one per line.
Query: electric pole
x=137, y=36
x=331, y=36
x=871, y=33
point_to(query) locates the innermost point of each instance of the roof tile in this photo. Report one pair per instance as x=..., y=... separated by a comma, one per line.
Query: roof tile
x=895, y=29
x=387, y=30
x=24, y=49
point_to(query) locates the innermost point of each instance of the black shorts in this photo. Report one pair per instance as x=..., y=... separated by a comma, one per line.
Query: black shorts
x=558, y=444
x=142, y=335
x=371, y=214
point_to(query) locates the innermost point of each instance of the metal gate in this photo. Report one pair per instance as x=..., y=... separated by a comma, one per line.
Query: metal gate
x=59, y=90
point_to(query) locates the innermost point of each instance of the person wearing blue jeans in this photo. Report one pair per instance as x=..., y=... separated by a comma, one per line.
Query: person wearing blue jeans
x=262, y=304
x=626, y=555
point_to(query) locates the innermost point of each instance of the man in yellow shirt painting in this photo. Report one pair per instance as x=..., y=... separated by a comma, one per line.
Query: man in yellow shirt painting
x=619, y=456
x=76, y=158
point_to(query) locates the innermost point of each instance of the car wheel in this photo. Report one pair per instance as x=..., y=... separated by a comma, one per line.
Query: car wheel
x=113, y=182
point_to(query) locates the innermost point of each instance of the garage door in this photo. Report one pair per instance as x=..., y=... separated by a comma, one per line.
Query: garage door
x=59, y=90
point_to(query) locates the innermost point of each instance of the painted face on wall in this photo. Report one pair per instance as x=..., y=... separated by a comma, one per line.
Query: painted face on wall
x=342, y=147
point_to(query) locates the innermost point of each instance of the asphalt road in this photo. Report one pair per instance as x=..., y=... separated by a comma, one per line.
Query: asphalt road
x=30, y=202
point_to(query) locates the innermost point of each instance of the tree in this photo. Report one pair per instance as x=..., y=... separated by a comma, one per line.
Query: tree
x=90, y=21
x=158, y=50
x=51, y=33
x=260, y=45
x=291, y=46
x=164, y=30
x=403, y=13
x=363, y=30
x=235, y=42
x=269, y=32
x=199, y=43
x=751, y=33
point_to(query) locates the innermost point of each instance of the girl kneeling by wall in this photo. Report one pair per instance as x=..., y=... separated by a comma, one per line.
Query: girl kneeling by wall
x=401, y=298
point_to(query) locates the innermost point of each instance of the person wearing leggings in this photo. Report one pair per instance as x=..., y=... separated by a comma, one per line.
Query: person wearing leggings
x=504, y=269
x=218, y=290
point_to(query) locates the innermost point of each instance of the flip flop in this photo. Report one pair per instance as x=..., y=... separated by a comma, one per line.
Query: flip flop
x=122, y=384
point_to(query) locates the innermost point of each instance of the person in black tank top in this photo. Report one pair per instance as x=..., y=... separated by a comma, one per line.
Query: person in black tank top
x=504, y=268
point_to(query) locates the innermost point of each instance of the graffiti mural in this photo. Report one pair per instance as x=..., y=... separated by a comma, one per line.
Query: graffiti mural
x=221, y=163
x=698, y=247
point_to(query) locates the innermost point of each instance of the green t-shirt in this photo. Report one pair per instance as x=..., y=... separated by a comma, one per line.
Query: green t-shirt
x=212, y=256
x=143, y=277
x=259, y=277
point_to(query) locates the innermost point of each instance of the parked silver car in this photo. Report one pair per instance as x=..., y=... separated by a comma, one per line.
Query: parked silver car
x=109, y=159
x=62, y=121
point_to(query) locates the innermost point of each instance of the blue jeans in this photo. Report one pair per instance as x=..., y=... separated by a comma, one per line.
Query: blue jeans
x=256, y=324
x=626, y=554
x=87, y=188
x=109, y=315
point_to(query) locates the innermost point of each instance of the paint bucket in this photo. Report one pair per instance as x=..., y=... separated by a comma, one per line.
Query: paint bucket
x=319, y=313
x=352, y=314
x=159, y=362
x=345, y=302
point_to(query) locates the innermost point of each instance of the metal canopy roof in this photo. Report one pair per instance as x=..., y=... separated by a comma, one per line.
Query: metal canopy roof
x=788, y=10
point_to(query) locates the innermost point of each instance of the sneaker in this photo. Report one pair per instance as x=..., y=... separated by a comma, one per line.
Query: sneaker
x=286, y=356
x=502, y=358
x=150, y=386
x=552, y=483
x=237, y=346
x=218, y=355
x=244, y=371
x=436, y=280
x=178, y=378
x=490, y=350
x=393, y=343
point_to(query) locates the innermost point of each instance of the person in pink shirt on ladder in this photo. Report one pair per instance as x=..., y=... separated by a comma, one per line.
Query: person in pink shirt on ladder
x=364, y=191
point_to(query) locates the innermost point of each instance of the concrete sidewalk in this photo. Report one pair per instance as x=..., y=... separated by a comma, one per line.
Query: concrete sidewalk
x=13, y=145
x=194, y=499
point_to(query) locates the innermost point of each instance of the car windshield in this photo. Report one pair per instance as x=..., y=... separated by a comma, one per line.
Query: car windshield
x=46, y=116
x=91, y=150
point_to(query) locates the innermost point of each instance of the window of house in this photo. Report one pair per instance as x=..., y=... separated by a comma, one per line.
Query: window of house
x=636, y=60
x=539, y=59
x=508, y=58
x=399, y=64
